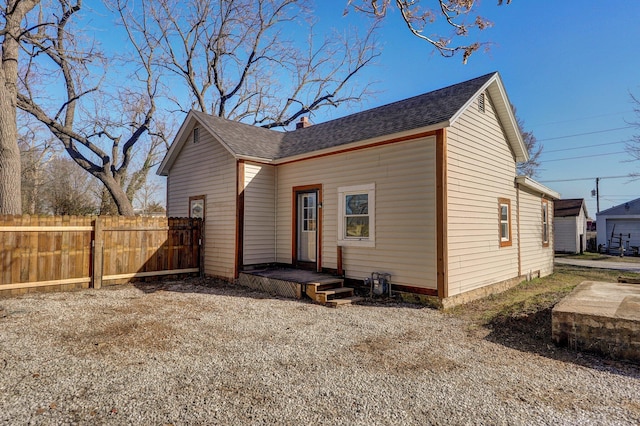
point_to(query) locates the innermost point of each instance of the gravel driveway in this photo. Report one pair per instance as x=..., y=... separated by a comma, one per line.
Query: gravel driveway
x=175, y=353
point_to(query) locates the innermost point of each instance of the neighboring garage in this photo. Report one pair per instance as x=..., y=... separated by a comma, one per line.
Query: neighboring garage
x=570, y=225
x=619, y=228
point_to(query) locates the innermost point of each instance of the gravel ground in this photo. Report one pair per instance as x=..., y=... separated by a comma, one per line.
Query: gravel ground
x=176, y=353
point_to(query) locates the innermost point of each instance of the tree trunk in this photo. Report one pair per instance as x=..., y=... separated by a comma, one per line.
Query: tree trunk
x=10, y=197
x=125, y=208
x=10, y=167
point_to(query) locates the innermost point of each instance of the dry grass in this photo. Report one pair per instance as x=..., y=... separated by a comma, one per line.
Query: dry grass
x=600, y=257
x=534, y=296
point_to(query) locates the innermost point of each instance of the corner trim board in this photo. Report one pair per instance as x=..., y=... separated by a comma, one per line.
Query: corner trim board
x=441, y=214
x=239, y=219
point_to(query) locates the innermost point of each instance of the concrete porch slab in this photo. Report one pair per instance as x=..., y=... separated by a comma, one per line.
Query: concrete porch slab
x=600, y=317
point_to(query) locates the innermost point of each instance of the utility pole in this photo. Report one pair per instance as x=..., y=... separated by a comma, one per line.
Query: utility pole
x=597, y=195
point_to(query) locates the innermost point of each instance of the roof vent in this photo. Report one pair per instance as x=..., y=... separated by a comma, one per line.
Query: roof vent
x=196, y=134
x=481, y=102
x=304, y=122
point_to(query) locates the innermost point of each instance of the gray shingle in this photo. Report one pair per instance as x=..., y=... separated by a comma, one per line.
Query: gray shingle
x=567, y=207
x=419, y=111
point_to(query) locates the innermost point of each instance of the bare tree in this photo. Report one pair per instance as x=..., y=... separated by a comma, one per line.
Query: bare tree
x=457, y=17
x=146, y=200
x=11, y=30
x=70, y=191
x=36, y=151
x=633, y=146
x=534, y=148
x=234, y=59
x=99, y=126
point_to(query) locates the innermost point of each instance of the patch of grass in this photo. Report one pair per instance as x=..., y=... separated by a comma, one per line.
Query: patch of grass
x=600, y=257
x=529, y=298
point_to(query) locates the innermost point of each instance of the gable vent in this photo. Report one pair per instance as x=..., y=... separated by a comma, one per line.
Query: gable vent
x=196, y=134
x=481, y=102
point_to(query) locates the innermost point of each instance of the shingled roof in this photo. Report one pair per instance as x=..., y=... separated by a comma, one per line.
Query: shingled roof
x=569, y=207
x=630, y=208
x=436, y=109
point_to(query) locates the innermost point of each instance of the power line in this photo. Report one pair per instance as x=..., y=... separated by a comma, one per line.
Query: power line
x=586, y=178
x=585, y=156
x=584, y=134
x=584, y=147
x=581, y=118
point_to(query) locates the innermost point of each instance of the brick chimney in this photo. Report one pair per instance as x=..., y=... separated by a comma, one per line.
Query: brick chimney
x=304, y=122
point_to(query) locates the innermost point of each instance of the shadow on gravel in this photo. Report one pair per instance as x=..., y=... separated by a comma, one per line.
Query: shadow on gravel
x=222, y=288
x=202, y=286
x=532, y=333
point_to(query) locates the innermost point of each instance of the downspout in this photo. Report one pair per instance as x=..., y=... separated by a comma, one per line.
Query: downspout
x=518, y=229
x=239, y=218
x=275, y=215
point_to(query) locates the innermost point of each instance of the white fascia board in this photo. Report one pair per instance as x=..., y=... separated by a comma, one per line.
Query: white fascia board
x=362, y=143
x=499, y=96
x=176, y=145
x=255, y=159
x=181, y=138
x=529, y=183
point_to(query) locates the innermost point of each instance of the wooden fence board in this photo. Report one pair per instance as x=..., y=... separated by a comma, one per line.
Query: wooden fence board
x=57, y=252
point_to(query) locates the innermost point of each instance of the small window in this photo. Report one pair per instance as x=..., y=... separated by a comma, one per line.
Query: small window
x=481, y=102
x=196, y=134
x=196, y=206
x=545, y=223
x=504, y=217
x=356, y=220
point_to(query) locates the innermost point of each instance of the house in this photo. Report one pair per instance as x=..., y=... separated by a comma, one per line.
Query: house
x=570, y=225
x=424, y=189
x=619, y=227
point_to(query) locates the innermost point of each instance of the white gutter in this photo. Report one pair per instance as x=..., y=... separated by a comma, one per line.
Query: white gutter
x=527, y=182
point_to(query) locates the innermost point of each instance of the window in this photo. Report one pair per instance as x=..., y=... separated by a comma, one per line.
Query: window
x=504, y=217
x=196, y=206
x=356, y=215
x=545, y=223
x=196, y=134
x=308, y=212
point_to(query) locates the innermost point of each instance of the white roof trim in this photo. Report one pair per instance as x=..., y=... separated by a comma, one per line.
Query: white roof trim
x=527, y=182
x=181, y=138
x=498, y=94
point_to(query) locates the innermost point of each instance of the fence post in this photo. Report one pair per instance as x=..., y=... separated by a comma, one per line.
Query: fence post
x=98, y=246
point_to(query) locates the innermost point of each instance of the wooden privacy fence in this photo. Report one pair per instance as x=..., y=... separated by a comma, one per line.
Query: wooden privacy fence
x=68, y=252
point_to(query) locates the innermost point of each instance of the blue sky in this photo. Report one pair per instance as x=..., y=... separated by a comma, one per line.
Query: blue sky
x=567, y=66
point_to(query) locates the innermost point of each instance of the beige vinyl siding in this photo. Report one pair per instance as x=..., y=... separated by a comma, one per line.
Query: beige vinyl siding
x=565, y=234
x=480, y=170
x=534, y=256
x=259, y=214
x=404, y=178
x=206, y=168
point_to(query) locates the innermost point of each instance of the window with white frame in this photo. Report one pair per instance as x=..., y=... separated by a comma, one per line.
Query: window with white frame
x=356, y=215
x=504, y=215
